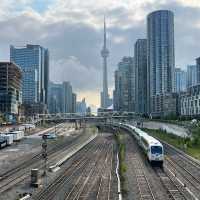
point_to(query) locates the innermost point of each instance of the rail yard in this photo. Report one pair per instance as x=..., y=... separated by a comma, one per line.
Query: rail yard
x=83, y=164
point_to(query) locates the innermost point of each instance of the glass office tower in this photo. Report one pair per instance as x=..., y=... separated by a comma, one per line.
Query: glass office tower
x=34, y=62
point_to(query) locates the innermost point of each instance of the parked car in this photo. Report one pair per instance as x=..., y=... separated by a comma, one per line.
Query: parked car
x=50, y=136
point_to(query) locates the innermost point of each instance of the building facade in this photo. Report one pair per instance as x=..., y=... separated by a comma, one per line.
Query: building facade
x=61, y=98
x=81, y=107
x=55, y=102
x=191, y=75
x=166, y=105
x=180, y=80
x=160, y=54
x=34, y=63
x=67, y=97
x=10, y=88
x=198, y=70
x=190, y=102
x=74, y=103
x=124, y=93
x=140, y=57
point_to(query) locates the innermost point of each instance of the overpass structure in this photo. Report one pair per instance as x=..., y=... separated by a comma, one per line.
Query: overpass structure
x=92, y=117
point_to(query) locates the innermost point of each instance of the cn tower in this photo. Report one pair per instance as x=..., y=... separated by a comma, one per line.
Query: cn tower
x=105, y=54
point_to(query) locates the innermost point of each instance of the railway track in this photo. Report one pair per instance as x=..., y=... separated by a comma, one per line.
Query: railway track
x=34, y=158
x=104, y=189
x=21, y=172
x=84, y=182
x=185, y=167
x=90, y=179
x=70, y=175
x=143, y=184
x=192, y=167
x=95, y=183
x=175, y=190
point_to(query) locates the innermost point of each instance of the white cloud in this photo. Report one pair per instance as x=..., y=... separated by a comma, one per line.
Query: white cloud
x=119, y=39
x=82, y=77
x=190, y=3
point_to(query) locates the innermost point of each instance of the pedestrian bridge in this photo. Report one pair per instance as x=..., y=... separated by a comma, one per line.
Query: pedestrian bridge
x=102, y=116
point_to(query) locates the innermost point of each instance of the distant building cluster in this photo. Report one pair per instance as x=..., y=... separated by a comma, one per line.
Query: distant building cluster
x=62, y=99
x=25, y=90
x=148, y=83
x=124, y=92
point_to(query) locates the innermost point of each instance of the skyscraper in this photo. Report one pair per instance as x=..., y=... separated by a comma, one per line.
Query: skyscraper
x=105, y=54
x=140, y=55
x=180, y=80
x=81, y=107
x=67, y=97
x=55, y=96
x=34, y=62
x=124, y=93
x=191, y=75
x=61, y=98
x=198, y=70
x=10, y=88
x=74, y=96
x=160, y=54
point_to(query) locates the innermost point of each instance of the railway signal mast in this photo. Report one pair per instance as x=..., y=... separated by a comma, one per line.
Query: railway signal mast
x=44, y=156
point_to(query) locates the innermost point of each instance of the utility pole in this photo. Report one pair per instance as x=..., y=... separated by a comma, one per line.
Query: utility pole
x=44, y=155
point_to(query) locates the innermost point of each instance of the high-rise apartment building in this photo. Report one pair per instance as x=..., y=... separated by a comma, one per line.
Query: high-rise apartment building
x=10, y=88
x=124, y=93
x=34, y=62
x=81, y=107
x=55, y=99
x=198, y=70
x=61, y=98
x=191, y=75
x=74, y=102
x=160, y=54
x=67, y=97
x=180, y=80
x=140, y=57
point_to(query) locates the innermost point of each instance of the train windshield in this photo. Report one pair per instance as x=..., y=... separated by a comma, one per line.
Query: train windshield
x=156, y=149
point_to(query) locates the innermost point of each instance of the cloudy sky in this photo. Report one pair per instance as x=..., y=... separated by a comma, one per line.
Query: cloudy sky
x=73, y=32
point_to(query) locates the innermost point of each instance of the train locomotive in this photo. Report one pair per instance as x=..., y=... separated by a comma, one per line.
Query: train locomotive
x=151, y=146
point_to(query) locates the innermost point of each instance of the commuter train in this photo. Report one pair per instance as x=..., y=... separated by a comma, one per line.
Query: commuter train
x=151, y=147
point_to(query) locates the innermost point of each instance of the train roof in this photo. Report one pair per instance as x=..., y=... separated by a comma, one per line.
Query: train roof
x=151, y=140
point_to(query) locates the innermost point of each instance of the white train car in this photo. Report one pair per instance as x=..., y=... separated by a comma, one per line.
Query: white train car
x=17, y=135
x=152, y=147
x=8, y=138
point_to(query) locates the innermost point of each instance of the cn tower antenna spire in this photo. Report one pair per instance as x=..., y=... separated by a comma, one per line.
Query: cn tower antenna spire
x=104, y=54
x=105, y=32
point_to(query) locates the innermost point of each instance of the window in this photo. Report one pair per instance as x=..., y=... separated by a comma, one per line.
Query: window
x=156, y=149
